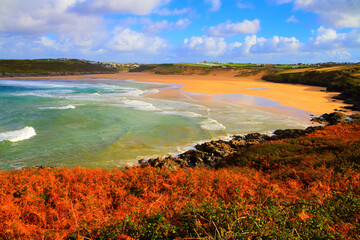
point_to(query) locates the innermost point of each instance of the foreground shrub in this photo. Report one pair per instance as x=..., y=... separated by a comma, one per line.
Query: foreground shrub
x=307, y=187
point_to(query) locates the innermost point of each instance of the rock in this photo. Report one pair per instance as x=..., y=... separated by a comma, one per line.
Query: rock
x=331, y=118
x=193, y=157
x=256, y=138
x=335, y=118
x=237, y=144
x=355, y=116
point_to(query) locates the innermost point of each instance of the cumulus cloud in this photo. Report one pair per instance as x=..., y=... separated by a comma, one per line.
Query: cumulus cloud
x=127, y=40
x=254, y=45
x=78, y=27
x=66, y=17
x=328, y=39
x=275, y=45
x=205, y=46
x=215, y=5
x=167, y=12
x=138, y=7
x=159, y=26
x=230, y=29
x=334, y=13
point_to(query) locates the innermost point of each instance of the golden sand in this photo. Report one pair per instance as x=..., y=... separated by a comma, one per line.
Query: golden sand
x=307, y=98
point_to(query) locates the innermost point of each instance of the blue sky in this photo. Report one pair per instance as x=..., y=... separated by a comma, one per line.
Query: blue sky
x=159, y=31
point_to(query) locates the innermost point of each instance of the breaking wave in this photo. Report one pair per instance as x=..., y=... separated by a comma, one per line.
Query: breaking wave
x=18, y=135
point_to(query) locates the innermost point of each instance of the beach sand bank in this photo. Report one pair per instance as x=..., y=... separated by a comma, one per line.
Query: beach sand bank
x=307, y=98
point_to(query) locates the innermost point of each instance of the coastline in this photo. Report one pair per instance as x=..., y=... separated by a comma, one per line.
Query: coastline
x=306, y=98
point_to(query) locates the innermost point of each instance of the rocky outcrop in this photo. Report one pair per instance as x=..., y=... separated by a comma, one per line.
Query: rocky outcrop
x=335, y=118
x=209, y=154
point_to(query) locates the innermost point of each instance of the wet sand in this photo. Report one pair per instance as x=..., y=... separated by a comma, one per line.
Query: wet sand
x=307, y=98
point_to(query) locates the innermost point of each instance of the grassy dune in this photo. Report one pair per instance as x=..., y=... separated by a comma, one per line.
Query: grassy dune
x=302, y=188
x=51, y=66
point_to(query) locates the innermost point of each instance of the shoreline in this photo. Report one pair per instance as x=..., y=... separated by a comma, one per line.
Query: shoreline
x=311, y=99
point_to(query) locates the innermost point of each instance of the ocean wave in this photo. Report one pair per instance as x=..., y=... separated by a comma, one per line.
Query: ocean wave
x=63, y=107
x=18, y=135
x=133, y=93
x=30, y=84
x=182, y=113
x=150, y=91
x=43, y=93
x=212, y=125
x=140, y=105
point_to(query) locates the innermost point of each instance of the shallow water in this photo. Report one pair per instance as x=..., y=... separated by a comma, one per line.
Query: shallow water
x=107, y=123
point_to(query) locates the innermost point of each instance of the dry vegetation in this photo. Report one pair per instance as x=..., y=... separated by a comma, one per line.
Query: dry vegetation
x=302, y=188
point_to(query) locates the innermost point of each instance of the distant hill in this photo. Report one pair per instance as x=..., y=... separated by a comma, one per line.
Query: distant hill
x=52, y=67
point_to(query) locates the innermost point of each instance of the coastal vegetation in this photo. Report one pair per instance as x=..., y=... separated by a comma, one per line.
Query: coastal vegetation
x=343, y=79
x=305, y=187
x=43, y=67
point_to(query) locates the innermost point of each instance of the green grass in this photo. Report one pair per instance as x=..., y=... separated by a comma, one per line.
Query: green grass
x=41, y=66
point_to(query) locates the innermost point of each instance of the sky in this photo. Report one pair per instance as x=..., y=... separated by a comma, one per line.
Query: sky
x=163, y=31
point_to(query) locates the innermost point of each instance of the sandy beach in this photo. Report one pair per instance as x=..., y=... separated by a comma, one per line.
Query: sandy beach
x=308, y=98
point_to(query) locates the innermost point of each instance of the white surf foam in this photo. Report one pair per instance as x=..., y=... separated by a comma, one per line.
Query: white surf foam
x=133, y=93
x=139, y=105
x=212, y=125
x=182, y=113
x=30, y=84
x=63, y=107
x=18, y=135
x=150, y=91
x=43, y=93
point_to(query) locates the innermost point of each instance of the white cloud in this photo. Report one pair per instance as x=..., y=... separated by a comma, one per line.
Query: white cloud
x=167, y=12
x=229, y=29
x=206, y=46
x=159, y=26
x=328, y=39
x=254, y=45
x=139, y=7
x=69, y=17
x=275, y=45
x=127, y=40
x=47, y=42
x=292, y=19
x=215, y=5
x=334, y=13
x=73, y=29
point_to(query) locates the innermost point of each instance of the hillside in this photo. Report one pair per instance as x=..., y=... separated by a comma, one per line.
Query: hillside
x=344, y=79
x=43, y=67
x=302, y=188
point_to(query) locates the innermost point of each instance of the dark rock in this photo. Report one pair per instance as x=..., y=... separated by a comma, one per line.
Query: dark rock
x=294, y=133
x=355, y=116
x=237, y=144
x=211, y=154
x=256, y=138
x=193, y=157
x=331, y=118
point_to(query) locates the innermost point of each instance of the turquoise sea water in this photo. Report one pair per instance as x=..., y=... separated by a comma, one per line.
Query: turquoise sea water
x=107, y=123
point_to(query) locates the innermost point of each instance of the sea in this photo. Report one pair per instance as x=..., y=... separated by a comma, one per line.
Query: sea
x=108, y=123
